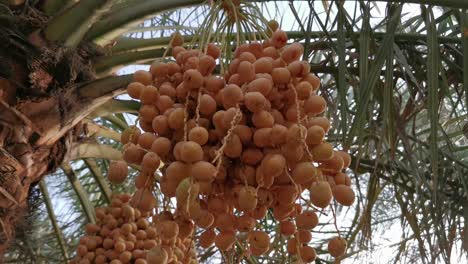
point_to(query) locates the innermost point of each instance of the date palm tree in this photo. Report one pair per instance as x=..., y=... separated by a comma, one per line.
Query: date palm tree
x=395, y=76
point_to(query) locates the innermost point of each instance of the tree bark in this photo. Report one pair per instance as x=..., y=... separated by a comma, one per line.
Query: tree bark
x=46, y=89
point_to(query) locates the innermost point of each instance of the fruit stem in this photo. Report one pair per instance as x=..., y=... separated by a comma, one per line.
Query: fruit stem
x=234, y=122
x=186, y=115
x=334, y=221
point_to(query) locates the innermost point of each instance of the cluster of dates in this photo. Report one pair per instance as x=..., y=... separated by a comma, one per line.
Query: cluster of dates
x=232, y=147
x=124, y=234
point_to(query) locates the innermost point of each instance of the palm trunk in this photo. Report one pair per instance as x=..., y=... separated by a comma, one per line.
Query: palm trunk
x=45, y=91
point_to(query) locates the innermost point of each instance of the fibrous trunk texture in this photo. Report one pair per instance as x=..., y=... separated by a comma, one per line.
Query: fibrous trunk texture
x=42, y=102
